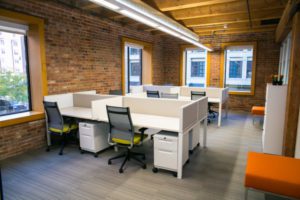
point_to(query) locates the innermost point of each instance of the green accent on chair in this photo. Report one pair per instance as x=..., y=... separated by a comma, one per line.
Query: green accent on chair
x=67, y=128
x=136, y=139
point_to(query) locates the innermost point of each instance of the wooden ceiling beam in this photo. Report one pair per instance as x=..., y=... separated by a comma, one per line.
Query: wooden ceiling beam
x=238, y=31
x=221, y=9
x=233, y=18
x=222, y=29
x=164, y=5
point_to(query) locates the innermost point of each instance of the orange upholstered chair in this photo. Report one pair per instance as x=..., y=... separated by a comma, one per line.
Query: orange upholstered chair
x=258, y=111
x=273, y=174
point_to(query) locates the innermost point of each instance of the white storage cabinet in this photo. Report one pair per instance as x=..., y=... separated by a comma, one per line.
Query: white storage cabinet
x=272, y=137
x=93, y=137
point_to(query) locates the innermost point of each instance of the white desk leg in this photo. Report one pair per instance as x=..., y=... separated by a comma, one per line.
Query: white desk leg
x=204, y=132
x=180, y=156
x=220, y=114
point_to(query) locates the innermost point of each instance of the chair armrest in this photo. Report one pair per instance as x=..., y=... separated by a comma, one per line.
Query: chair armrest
x=142, y=130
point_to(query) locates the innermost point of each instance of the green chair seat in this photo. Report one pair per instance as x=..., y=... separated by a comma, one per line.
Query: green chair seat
x=67, y=128
x=136, y=139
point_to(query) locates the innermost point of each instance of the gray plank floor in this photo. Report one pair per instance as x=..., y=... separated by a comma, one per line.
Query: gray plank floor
x=214, y=173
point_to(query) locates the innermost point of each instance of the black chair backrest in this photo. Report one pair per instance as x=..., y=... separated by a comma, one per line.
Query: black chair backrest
x=152, y=94
x=53, y=117
x=115, y=92
x=120, y=123
x=197, y=95
x=169, y=95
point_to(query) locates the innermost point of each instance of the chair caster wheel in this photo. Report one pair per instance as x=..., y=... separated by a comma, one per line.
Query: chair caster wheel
x=154, y=170
x=188, y=161
x=144, y=166
x=198, y=145
x=121, y=171
x=175, y=174
x=96, y=155
x=82, y=152
x=144, y=157
x=60, y=153
x=109, y=162
x=48, y=149
x=191, y=151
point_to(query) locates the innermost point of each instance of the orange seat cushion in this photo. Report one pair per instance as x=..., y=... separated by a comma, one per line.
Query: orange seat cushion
x=258, y=110
x=275, y=174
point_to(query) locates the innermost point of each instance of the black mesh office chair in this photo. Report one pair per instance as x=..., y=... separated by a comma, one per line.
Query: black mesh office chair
x=116, y=92
x=56, y=124
x=169, y=95
x=121, y=134
x=152, y=94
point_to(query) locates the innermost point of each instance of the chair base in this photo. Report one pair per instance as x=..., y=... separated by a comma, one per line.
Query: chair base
x=64, y=142
x=128, y=155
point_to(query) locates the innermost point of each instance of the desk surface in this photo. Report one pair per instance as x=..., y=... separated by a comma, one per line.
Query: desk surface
x=210, y=100
x=140, y=120
x=78, y=112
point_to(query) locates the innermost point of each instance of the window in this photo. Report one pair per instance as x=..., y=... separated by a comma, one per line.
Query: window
x=285, y=57
x=195, y=67
x=239, y=68
x=134, y=66
x=14, y=77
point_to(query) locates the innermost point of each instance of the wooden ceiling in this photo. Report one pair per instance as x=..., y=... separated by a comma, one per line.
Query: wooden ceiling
x=205, y=17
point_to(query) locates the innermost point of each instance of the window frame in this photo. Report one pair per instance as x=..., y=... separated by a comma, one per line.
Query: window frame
x=224, y=46
x=182, y=61
x=37, y=69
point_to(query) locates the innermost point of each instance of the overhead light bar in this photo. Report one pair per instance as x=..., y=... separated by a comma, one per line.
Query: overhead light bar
x=157, y=16
x=141, y=12
x=106, y=4
x=139, y=18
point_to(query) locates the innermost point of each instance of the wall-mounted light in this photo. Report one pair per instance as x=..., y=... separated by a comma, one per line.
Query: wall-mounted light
x=141, y=12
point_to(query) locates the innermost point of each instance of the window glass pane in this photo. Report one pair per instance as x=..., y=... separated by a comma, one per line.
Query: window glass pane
x=14, y=93
x=238, y=68
x=195, y=71
x=134, y=67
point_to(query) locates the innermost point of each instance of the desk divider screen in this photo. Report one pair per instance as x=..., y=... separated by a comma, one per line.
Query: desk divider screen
x=210, y=92
x=85, y=100
x=86, y=92
x=160, y=88
x=63, y=100
x=189, y=116
x=139, y=94
x=99, y=107
x=151, y=106
x=202, y=108
x=136, y=89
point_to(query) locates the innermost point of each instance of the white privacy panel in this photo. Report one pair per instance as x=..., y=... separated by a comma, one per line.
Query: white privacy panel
x=63, y=100
x=99, y=107
x=189, y=116
x=152, y=106
x=85, y=100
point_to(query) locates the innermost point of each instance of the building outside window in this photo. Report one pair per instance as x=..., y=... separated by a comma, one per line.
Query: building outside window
x=238, y=68
x=134, y=66
x=196, y=67
x=14, y=78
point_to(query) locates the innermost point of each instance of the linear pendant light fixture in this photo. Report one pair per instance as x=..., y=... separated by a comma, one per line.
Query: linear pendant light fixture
x=141, y=12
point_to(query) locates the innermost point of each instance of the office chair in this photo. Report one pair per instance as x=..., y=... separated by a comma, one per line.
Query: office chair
x=169, y=95
x=152, y=94
x=121, y=134
x=116, y=92
x=56, y=124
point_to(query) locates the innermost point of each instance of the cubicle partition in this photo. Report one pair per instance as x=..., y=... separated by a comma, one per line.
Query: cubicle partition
x=160, y=88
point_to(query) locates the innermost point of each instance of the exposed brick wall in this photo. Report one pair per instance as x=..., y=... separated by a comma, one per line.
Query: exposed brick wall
x=267, y=61
x=83, y=52
x=22, y=137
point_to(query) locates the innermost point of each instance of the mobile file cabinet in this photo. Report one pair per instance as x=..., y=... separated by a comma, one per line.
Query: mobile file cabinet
x=165, y=151
x=93, y=137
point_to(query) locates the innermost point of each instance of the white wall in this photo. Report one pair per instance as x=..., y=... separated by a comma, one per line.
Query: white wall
x=297, y=153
